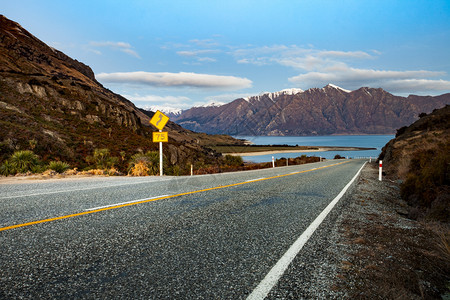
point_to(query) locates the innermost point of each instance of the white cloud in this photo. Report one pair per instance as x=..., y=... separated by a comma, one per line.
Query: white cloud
x=182, y=79
x=345, y=54
x=121, y=46
x=394, y=81
x=294, y=56
x=207, y=43
x=160, y=102
x=321, y=67
x=206, y=59
x=158, y=99
x=195, y=52
x=417, y=85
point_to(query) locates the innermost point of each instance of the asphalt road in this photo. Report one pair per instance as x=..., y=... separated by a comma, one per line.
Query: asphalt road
x=200, y=237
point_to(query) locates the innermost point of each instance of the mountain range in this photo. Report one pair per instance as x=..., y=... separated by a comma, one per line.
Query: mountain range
x=317, y=111
x=53, y=104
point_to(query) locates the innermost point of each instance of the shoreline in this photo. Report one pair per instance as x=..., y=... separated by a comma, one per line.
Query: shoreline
x=319, y=149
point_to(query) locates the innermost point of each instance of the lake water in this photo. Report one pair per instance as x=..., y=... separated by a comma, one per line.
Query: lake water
x=366, y=141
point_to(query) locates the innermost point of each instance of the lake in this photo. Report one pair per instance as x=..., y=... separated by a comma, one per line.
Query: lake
x=366, y=141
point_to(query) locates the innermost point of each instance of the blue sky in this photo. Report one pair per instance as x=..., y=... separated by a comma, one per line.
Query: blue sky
x=184, y=53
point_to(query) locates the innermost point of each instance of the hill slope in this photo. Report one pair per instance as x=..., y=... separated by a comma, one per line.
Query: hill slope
x=420, y=156
x=53, y=104
x=330, y=110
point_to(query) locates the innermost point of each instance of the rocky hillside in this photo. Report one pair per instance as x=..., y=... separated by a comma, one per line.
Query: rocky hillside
x=325, y=111
x=420, y=157
x=52, y=104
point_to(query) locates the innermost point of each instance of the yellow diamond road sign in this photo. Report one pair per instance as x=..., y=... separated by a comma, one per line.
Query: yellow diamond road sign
x=159, y=120
x=160, y=137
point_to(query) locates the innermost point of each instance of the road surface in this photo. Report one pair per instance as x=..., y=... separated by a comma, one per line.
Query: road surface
x=201, y=237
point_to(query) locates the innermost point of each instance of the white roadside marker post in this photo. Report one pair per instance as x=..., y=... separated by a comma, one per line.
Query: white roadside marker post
x=380, y=171
x=273, y=162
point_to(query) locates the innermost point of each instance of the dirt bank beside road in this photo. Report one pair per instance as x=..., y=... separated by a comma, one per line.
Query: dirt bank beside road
x=381, y=254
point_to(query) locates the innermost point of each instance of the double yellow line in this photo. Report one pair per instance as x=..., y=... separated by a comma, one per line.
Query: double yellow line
x=156, y=199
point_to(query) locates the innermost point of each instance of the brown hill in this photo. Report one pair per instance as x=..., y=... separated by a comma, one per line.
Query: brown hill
x=53, y=104
x=420, y=157
x=330, y=110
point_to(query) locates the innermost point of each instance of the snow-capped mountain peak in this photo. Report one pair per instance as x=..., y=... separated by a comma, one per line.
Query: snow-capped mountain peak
x=337, y=87
x=274, y=95
x=164, y=109
x=211, y=104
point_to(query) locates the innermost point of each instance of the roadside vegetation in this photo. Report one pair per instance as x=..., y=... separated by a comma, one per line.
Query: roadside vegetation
x=427, y=185
x=26, y=162
x=420, y=157
x=103, y=162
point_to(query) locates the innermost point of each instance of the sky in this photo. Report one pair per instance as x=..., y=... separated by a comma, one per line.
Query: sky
x=180, y=54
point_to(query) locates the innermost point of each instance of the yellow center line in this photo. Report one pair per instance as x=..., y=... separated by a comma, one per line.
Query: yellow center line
x=156, y=199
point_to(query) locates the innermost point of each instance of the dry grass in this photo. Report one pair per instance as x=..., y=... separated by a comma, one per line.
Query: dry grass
x=139, y=169
x=70, y=172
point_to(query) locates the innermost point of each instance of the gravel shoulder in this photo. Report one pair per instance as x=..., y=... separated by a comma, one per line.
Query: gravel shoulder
x=368, y=249
x=380, y=253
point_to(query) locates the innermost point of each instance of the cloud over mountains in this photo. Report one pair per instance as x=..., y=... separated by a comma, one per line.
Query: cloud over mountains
x=181, y=79
x=324, y=66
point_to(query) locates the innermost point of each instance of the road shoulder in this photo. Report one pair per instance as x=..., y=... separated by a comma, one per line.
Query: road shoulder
x=368, y=249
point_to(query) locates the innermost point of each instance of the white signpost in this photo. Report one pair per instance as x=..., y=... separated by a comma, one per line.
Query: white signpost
x=159, y=120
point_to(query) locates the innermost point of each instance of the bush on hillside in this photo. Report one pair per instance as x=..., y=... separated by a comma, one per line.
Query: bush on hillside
x=144, y=164
x=230, y=160
x=58, y=166
x=23, y=161
x=102, y=159
x=7, y=168
x=427, y=183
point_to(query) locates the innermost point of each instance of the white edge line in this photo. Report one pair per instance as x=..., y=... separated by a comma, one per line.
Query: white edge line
x=115, y=204
x=250, y=180
x=83, y=189
x=264, y=287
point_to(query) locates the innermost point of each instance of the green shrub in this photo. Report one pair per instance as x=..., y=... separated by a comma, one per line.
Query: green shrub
x=7, y=168
x=40, y=168
x=231, y=160
x=23, y=161
x=102, y=159
x=427, y=178
x=148, y=161
x=58, y=166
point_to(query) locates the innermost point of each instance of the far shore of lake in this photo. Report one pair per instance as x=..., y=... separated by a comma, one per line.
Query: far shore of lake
x=254, y=151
